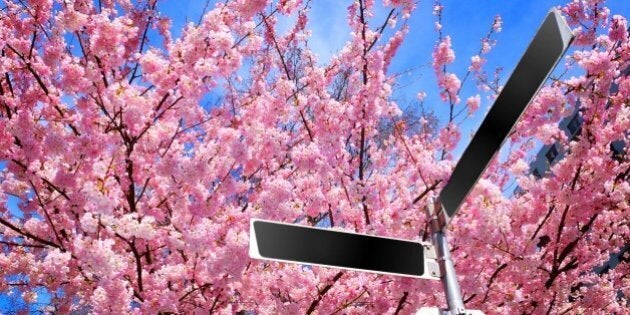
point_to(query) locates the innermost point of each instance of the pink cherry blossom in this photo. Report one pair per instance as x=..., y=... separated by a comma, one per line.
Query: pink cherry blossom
x=443, y=54
x=135, y=195
x=476, y=62
x=473, y=103
x=496, y=24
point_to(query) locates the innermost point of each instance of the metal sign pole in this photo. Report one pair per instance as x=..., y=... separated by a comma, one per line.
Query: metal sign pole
x=447, y=269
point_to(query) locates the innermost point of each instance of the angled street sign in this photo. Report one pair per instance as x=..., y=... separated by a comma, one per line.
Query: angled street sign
x=551, y=41
x=324, y=247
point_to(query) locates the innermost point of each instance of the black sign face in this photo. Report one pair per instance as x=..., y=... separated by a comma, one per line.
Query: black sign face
x=545, y=50
x=314, y=246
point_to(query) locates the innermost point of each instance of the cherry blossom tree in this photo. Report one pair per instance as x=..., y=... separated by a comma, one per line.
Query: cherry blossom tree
x=137, y=199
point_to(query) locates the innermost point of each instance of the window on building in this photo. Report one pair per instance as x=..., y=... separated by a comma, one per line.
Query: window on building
x=574, y=125
x=617, y=149
x=552, y=154
x=536, y=173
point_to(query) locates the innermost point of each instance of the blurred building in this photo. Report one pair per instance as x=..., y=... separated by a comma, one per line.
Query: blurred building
x=548, y=155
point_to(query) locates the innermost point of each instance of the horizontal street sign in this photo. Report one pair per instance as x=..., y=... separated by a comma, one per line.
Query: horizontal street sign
x=549, y=44
x=330, y=248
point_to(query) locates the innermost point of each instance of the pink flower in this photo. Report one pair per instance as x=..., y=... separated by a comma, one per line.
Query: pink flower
x=485, y=47
x=596, y=62
x=138, y=166
x=519, y=167
x=476, y=62
x=473, y=103
x=250, y=8
x=618, y=28
x=443, y=54
x=496, y=24
x=450, y=84
x=56, y=263
x=74, y=20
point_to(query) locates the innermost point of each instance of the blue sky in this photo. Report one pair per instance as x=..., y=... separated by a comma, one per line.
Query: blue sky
x=465, y=21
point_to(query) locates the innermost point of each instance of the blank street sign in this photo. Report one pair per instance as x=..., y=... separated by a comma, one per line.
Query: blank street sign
x=325, y=247
x=551, y=41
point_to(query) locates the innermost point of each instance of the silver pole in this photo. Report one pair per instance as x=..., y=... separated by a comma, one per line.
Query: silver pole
x=447, y=269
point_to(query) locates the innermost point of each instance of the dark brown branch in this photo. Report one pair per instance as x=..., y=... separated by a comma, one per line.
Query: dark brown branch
x=205, y=285
x=138, y=258
x=81, y=46
x=361, y=154
x=149, y=88
x=564, y=217
x=556, y=270
x=35, y=18
x=159, y=105
x=144, y=187
x=323, y=292
x=426, y=191
x=131, y=189
x=41, y=204
x=103, y=74
x=345, y=305
x=401, y=303
x=330, y=216
x=238, y=42
x=223, y=179
x=6, y=106
x=6, y=75
x=50, y=185
x=288, y=74
x=27, y=234
x=170, y=143
x=30, y=51
x=491, y=280
x=551, y=209
x=308, y=129
x=42, y=85
x=31, y=70
x=143, y=41
x=146, y=128
x=364, y=72
x=381, y=28
x=18, y=284
x=216, y=300
x=551, y=304
x=468, y=299
x=366, y=210
x=571, y=246
x=22, y=245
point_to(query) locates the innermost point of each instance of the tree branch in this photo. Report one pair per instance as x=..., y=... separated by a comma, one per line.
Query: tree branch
x=323, y=292
x=27, y=234
x=401, y=303
x=41, y=204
